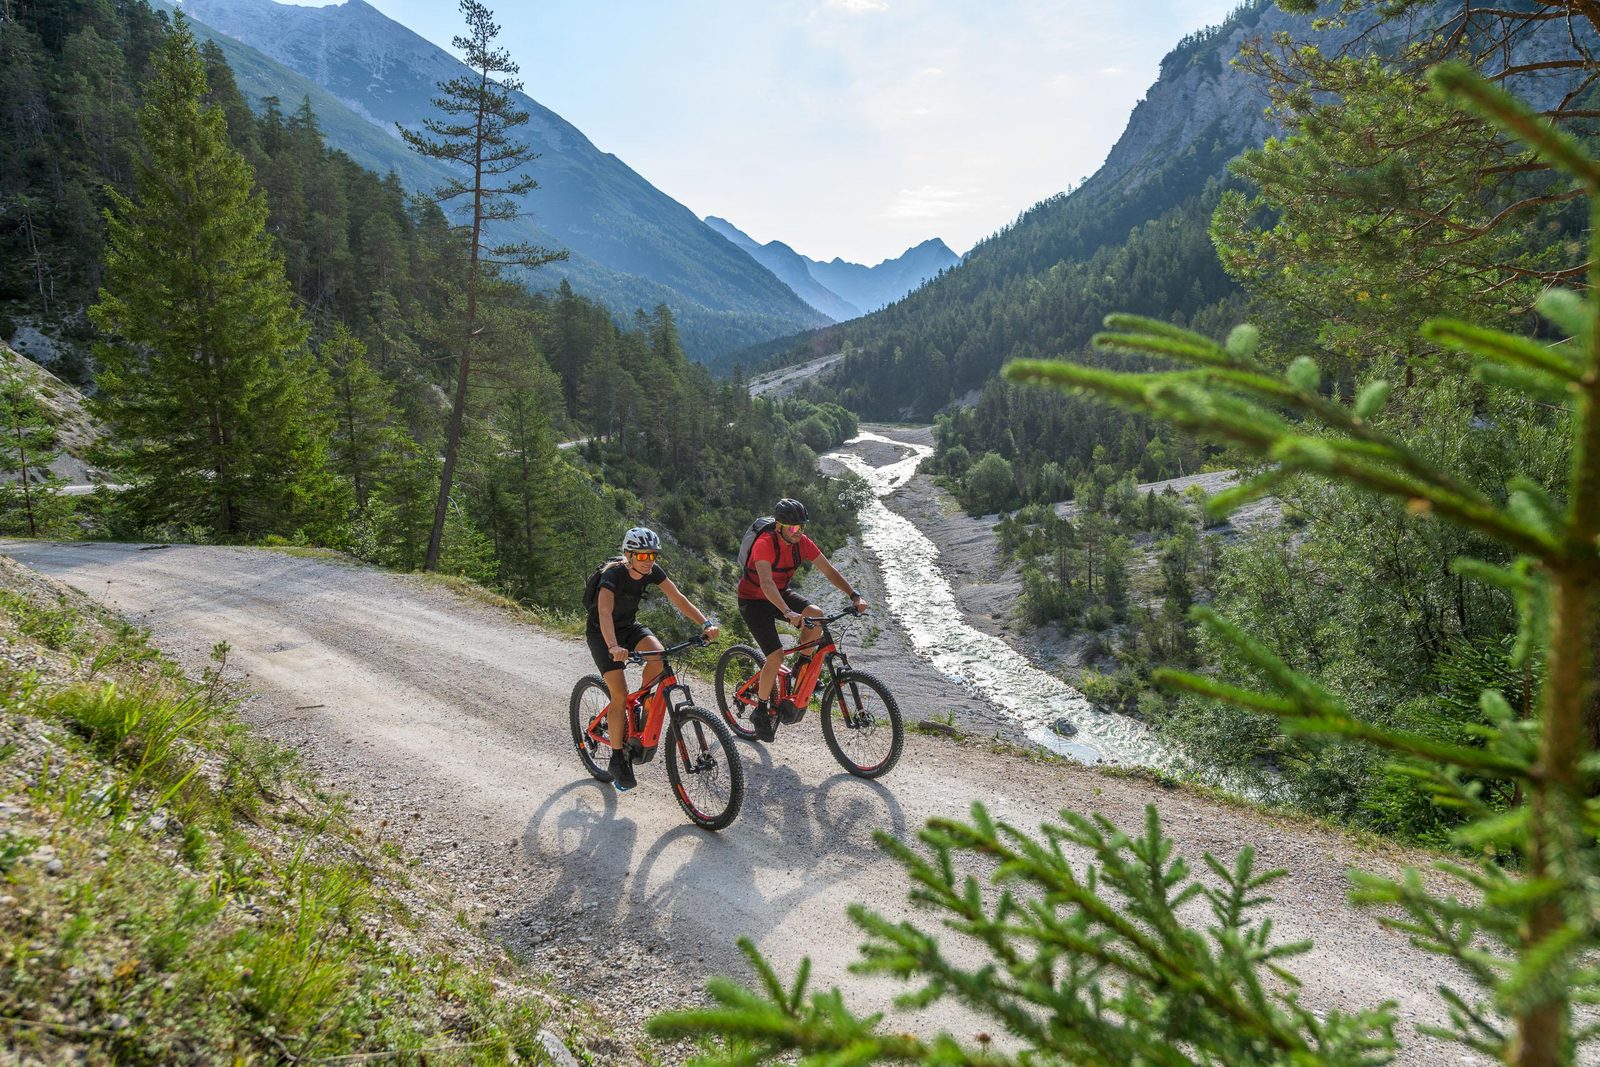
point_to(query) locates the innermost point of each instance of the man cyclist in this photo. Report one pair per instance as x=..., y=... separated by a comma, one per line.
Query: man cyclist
x=612, y=633
x=765, y=597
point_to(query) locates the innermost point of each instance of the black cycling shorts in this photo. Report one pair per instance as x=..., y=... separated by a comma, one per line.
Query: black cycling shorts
x=762, y=618
x=629, y=637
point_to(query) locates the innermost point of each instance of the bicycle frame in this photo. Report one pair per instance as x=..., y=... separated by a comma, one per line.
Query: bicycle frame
x=799, y=689
x=645, y=712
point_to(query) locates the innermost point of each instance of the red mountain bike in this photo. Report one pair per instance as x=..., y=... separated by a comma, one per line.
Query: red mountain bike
x=860, y=720
x=703, y=763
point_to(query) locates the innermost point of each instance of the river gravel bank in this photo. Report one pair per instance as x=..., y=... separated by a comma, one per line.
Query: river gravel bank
x=986, y=587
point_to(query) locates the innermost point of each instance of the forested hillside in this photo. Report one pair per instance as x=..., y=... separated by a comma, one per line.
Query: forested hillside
x=338, y=415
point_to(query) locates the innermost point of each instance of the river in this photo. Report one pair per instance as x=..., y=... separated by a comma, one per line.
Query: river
x=924, y=607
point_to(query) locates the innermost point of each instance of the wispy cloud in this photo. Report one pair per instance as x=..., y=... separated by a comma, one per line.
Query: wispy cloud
x=927, y=202
x=857, y=7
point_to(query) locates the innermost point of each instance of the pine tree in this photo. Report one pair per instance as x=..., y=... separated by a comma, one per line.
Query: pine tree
x=30, y=500
x=477, y=138
x=364, y=419
x=204, y=383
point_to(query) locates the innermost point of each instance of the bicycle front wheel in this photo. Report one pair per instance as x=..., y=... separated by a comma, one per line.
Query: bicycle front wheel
x=703, y=768
x=590, y=698
x=737, y=669
x=861, y=723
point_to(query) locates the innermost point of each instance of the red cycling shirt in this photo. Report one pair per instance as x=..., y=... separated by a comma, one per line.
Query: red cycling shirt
x=767, y=547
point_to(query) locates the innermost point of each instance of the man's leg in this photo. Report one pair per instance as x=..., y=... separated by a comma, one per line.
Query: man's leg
x=761, y=617
x=787, y=713
x=769, y=675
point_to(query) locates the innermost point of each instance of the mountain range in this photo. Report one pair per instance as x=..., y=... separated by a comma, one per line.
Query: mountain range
x=840, y=289
x=631, y=245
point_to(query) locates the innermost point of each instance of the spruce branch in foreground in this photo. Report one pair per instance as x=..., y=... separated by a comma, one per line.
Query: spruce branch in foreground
x=1528, y=937
x=1091, y=963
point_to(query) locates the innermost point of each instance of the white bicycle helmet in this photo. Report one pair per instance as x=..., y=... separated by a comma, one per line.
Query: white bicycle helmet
x=641, y=539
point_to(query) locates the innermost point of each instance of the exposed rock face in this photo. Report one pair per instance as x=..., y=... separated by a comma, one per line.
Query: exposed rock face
x=1200, y=94
x=75, y=429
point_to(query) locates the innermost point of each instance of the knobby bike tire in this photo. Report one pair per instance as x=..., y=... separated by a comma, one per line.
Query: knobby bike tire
x=580, y=717
x=711, y=752
x=734, y=667
x=844, y=694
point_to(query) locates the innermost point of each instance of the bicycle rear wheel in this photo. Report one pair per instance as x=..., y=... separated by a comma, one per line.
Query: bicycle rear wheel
x=736, y=698
x=590, y=698
x=861, y=723
x=703, y=768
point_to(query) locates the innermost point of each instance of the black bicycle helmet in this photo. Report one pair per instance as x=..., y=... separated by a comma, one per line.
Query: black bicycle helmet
x=790, y=510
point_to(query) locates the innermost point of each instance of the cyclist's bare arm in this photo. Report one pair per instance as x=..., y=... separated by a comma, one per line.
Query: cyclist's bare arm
x=830, y=572
x=687, y=609
x=605, y=604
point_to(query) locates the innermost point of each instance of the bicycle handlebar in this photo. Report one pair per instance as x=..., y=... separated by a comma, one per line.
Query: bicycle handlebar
x=826, y=619
x=636, y=657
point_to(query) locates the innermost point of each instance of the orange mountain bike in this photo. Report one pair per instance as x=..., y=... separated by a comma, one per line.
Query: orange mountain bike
x=703, y=763
x=860, y=720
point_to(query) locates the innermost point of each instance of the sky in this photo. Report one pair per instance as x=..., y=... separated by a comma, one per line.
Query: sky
x=851, y=128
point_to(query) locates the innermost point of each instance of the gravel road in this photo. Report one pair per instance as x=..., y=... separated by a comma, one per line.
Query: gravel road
x=445, y=720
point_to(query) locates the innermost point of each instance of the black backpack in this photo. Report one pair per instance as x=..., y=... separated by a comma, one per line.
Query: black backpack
x=591, y=587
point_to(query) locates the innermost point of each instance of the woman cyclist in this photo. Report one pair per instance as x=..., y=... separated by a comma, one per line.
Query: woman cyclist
x=612, y=633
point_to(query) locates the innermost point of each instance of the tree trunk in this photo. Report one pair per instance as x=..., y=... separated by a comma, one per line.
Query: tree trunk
x=452, y=446
x=452, y=442
x=355, y=451
x=1556, y=798
x=27, y=490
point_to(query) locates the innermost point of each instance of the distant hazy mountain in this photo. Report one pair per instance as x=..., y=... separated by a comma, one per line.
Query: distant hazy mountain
x=632, y=245
x=839, y=289
x=871, y=288
x=792, y=269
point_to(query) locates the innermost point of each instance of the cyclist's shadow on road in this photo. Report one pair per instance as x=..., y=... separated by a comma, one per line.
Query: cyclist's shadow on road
x=580, y=832
x=791, y=841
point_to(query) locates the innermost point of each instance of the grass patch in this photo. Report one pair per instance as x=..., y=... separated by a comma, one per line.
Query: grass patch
x=173, y=889
x=549, y=618
x=316, y=552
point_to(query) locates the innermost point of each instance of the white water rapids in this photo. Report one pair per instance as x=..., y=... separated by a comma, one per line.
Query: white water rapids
x=921, y=601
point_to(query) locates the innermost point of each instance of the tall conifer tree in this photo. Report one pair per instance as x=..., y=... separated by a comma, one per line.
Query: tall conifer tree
x=206, y=385
x=30, y=503
x=364, y=442
x=476, y=136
